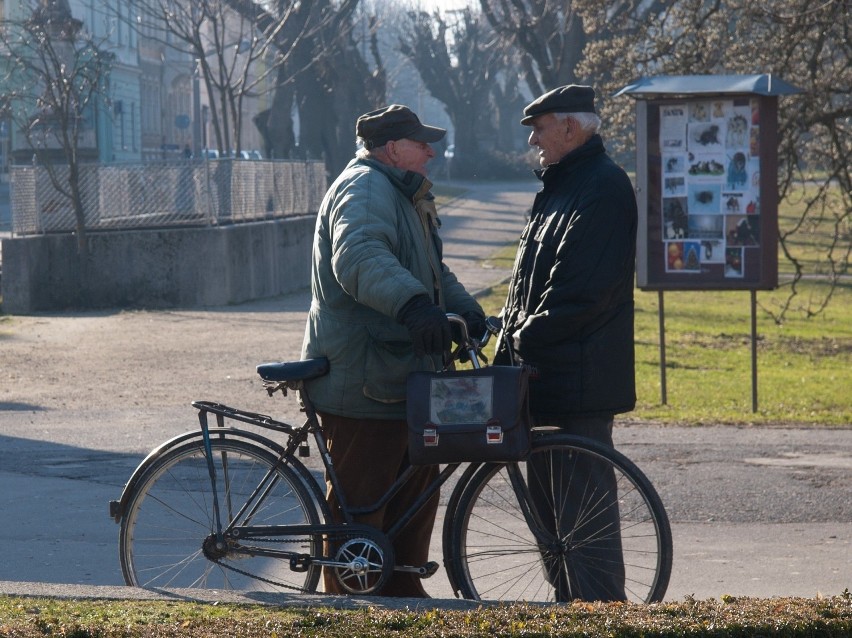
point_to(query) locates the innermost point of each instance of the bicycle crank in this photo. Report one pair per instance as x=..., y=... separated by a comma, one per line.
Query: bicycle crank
x=362, y=565
x=424, y=571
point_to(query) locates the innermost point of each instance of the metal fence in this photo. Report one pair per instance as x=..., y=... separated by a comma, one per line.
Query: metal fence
x=157, y=195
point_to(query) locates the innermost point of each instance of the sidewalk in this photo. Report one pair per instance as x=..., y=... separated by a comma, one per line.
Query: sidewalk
x=475, y=226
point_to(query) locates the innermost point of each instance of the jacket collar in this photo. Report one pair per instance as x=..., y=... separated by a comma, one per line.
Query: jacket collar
x=593, y=146
x=412, y=185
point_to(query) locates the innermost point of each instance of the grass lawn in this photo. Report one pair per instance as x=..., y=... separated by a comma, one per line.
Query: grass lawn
x=726, y=618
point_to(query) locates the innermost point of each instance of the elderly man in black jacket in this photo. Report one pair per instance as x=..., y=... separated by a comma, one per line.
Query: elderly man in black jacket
x=569, y=314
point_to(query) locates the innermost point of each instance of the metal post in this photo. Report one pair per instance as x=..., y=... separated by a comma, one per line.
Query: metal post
x=753, y=350
x=196, y=109
x=661, y=311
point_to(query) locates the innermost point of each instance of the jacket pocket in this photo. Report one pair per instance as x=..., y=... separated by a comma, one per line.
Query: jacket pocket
x=389, y=358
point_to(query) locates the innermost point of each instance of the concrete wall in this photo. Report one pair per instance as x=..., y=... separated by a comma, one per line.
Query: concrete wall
x=167, y=268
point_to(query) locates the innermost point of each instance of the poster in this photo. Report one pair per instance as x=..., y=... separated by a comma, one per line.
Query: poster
x=710, y=189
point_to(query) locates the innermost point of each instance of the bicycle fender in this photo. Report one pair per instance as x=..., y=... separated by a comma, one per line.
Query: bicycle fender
x=116, y=508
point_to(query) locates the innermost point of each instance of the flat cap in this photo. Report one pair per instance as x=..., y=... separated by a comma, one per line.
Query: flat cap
x=394, y=122
x=572, y=98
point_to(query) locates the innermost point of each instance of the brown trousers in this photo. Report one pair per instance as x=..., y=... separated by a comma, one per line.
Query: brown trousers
x=368, y=455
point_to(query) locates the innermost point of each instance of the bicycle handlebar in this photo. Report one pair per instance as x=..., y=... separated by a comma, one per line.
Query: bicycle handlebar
x=472, y=346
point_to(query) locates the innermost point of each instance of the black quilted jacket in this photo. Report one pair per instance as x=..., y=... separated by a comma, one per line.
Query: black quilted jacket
x=569, y=309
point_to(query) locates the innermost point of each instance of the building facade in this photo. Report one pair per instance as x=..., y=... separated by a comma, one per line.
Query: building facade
x=152, y=107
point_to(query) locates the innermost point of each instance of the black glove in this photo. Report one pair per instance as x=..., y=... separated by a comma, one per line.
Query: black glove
x=475, y=324
x=475, y=330
x=427, y=324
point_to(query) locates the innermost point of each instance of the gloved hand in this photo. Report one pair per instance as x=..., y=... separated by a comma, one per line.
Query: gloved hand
x=475, y=324
x=475, y=330
x=427, y=325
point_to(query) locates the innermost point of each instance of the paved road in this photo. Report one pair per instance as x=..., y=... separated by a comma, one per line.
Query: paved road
x=755, y=511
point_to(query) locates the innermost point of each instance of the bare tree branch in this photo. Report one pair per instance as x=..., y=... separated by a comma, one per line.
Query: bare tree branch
x=55, y=74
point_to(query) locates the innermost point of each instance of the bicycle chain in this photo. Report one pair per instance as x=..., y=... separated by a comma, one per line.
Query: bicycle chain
x=269, y=581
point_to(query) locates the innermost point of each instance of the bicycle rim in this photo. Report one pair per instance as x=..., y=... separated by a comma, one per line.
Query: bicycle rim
x=170, y=515
x=540, y=548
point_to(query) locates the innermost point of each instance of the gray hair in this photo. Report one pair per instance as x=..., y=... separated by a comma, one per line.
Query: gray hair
x=369, y=153
x=588, y=122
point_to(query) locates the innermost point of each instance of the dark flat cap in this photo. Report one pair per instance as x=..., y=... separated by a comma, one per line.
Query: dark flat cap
x=573, y=98
x=394, y=122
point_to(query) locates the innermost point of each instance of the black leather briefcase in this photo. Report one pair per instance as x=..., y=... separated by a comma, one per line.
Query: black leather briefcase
x=468, y=415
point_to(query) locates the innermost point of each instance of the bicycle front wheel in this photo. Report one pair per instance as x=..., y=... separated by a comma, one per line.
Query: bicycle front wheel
x=167, y=537
x=576, y=521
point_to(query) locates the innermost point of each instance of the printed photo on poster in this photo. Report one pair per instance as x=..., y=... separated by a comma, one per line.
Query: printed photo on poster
x=742, y=230
x=712, y=251
x=733, y=203
x=737, y=126
x=705, y=137
x=673, y=121
x=675, y=218
x=699, y=111
x=721, y=109
x=707, y=167
x=754, y=141
x=706, y=227
x=734, y=262
x=674, y=185
x=704, y=198
x=737, y=174
x=674, y=164
x=754, y=172
x=683, y=257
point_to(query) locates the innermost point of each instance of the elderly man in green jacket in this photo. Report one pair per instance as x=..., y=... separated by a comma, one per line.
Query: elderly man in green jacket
x=380, y=291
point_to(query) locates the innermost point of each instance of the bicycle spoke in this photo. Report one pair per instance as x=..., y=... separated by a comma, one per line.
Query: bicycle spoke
x=167, y=533
x=599, y=532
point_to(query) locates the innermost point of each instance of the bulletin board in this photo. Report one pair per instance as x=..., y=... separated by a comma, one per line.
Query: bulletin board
x=708, y=203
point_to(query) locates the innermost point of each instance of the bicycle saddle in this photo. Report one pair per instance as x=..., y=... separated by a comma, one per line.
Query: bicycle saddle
x=293, y=370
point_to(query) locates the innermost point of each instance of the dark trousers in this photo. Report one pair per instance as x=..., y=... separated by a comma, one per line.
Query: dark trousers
x=577, y=502
x=368, y=455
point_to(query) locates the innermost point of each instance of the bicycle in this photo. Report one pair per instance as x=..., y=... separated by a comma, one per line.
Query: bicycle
x=230, y=508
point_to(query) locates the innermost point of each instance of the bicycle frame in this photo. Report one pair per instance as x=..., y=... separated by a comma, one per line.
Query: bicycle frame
x=296, y=438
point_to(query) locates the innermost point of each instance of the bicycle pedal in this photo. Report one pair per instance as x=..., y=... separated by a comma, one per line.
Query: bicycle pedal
x=425, y=571
x=429, y=569
x=300, y=563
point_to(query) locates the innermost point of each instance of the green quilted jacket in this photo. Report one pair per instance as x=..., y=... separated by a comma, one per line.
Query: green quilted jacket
x=375, y=247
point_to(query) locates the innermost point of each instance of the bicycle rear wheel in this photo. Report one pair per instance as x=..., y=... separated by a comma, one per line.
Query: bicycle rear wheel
x=168, y=526
x=577, y=520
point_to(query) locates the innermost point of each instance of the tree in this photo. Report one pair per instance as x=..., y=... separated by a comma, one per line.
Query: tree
x=55, y=75
x=325, y=78
x=457, y=63
x=805, y=43
x=549, y=35
x=235, y=53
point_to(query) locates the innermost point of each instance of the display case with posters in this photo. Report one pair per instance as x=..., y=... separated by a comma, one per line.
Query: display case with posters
x=706, y=181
